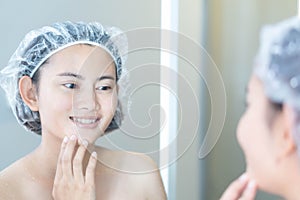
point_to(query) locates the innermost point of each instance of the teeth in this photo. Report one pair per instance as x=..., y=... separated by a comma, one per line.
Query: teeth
x=85, y=121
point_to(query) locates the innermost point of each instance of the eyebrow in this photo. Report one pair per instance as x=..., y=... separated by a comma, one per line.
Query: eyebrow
x=70, y=74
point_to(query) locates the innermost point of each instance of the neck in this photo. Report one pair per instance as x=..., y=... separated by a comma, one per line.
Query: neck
x=293, y=193
x=291, y=180
x=292, y=190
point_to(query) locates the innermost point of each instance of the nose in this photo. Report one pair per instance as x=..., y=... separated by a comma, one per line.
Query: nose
x=86, y=99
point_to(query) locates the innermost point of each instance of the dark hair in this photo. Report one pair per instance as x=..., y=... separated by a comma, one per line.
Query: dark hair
x=277, y=106
x=275, y=109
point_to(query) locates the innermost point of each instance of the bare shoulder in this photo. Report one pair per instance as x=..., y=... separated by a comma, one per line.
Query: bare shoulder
x=126, y=161
x=140, y=170
x=10, y=182
x=5, y=186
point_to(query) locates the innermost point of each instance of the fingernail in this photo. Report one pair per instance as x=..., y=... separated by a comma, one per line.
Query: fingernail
x=251, y=185
x=94, y=154
x=85, y=143
x=243, y=178
x=73, y=137
x=65, y=139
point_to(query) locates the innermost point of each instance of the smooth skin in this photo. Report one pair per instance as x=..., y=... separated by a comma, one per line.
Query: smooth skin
x=77, y=98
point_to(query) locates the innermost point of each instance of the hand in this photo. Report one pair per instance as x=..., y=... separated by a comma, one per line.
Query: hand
x=240, y=189
x=70, y=183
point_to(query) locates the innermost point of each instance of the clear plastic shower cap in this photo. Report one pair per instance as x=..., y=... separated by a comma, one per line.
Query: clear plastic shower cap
x=278, y=66
x=278, y=62
x=38, y=45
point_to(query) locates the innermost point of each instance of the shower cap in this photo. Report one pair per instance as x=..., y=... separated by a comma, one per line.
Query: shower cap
x=38, y=45
x=278, y=62
x=278, y=66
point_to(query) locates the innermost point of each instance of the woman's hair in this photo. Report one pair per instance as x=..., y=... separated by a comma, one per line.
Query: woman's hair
x=278, y=67
x=40, y=44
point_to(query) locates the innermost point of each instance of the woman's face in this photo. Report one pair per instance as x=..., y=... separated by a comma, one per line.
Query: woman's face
x=256, y=136
x=77, y=92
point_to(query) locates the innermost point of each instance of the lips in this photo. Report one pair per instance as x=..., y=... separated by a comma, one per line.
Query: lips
x=85, y=122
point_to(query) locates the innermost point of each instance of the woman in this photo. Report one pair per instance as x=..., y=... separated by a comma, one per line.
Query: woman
x=269, y=131
x=63, y=83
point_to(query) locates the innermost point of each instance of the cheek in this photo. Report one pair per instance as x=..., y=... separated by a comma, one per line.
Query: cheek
x=241, y=131
x=63, y=104
x=250, y=131
x=54, y=101
x=249, y=128
x=109, y=104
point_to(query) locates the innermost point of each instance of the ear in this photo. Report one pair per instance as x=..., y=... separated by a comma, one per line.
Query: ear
x=28, y=93
x=285, y=139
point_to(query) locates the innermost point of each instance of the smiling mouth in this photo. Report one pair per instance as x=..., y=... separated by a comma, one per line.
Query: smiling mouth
x=89, y=122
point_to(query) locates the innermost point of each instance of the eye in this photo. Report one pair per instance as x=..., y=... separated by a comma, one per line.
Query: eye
x=70, y=85
x=104, y=88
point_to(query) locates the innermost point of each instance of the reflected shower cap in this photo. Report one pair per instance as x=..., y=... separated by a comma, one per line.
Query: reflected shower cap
x=278, y=66
x=38, y=45
x=278, y=62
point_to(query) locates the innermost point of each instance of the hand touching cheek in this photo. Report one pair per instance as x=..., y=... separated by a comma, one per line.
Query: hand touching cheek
x=70, y=182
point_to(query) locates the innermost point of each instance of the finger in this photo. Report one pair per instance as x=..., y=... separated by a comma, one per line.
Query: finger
x=90, y=169
x=67, y=157
x=58, y=173
x=235, y=189
x=77, y=162
x=250, y=191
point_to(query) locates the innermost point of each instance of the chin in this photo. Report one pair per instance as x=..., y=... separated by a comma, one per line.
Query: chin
x=251, y=173
x=90, y=135
x=261, y=179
